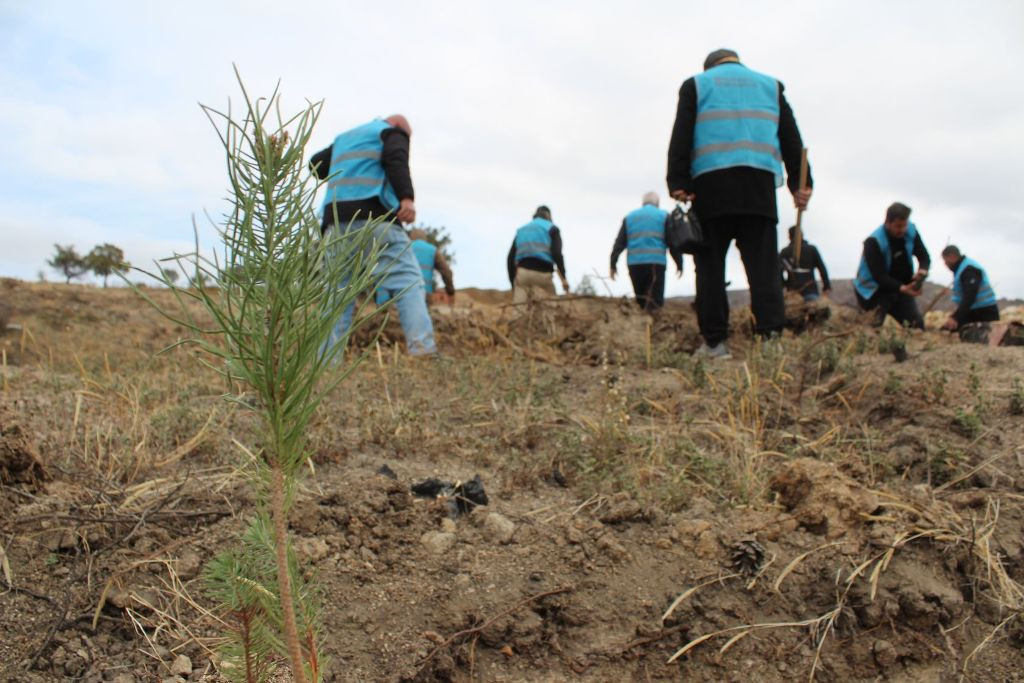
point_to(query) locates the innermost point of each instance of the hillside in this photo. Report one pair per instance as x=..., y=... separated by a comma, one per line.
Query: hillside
x=810, y=508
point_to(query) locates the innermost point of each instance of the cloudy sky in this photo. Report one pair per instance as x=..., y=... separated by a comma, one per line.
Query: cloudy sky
x=513, y=104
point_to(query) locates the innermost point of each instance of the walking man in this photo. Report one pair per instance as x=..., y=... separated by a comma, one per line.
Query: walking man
x=642, y=235
x=886, y=280
x=367, y=173
x=535, y=254
x=972, y=292
x=799, y=277
x=733, y=131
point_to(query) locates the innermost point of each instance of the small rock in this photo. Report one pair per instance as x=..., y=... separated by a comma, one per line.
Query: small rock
x=499, y=528
x=188, y=564
x=707, y=545
x=123, y=678
x=367, y=555
x=664, y=543
x=448, y=525
x=118, y=598
x=311, y=549
x=181, y=666
x=884, y=652
x=145, y=599
x=438, y=542
x=173, y=679
x=612, y=547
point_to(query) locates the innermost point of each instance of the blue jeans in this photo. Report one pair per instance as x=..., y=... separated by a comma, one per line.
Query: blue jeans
x=811, y=296
x=398, y=270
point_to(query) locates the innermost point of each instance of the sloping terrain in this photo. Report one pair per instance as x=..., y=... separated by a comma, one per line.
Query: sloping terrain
x=812, y=507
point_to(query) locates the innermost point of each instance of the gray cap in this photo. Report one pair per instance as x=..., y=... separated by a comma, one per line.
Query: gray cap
x=719, y=55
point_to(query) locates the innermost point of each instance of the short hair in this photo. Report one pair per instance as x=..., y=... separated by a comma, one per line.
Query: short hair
x=650, y=198
x=951, y=250
x=542, y=212
x=792, y=232
x=897, y=211
x=720, y=55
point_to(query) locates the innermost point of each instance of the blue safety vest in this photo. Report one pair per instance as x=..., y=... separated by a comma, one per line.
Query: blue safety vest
x=737, y=121
x=356, y=171
x=426, y=254
x=986, y=295
x=865, y=283
x=645, y=236
x=533, y=240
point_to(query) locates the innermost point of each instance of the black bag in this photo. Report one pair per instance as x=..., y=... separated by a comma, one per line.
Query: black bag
x=683, y=231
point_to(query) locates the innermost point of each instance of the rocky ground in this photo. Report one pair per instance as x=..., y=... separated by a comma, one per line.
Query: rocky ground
x=810, y=508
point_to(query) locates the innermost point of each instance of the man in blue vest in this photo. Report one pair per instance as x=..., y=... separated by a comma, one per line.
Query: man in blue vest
x=367, y=174
x=734, y=130
x=972, y=292
x=429, y=258
x=886, y=281
x=535, y=254
x=642, y=236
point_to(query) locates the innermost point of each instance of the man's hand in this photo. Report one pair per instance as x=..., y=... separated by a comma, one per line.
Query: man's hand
x=679, y=273
x=910, y=290
x=565, y=285
x=826, y=291
x=950, y=324
x=921, y=275
x=407, y=211
x=801, y=197
x=612, y=273
x=683, y=196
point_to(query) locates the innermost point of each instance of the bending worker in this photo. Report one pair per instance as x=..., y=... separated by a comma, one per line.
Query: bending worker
x=734, y=131
x=799, y=277
x=642, y=235
x=972, y=292
x=535, y=254
x=367, y=169
x=886, y=281
x=429, y=258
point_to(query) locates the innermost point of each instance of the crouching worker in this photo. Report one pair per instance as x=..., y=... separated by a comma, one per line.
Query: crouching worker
x=973, y=295
x=429, y=258
x=886, y=282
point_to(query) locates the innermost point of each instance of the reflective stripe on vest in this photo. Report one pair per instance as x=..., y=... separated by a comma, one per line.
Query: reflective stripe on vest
x=533, y=240
x=865, y=283
x=356, y=171
x=426, y=253
x=986, y=295
x=737, y=121
x=645, y=236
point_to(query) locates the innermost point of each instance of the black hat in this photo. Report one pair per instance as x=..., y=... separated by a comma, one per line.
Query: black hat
x=718, y=55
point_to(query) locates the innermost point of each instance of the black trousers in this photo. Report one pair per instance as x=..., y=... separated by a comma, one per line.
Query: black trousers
x=756, y=239
x=901, y=307
x=649, y=285
x=987, y=314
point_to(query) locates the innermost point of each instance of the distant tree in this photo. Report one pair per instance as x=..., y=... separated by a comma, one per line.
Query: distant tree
x=68, y=262
x=586, y=287
x=170, y=274
x=105, y=260
x=439, y=237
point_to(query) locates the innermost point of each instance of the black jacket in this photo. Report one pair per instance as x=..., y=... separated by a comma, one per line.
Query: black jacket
x=622, y=239
x=901, y=271
x=395, y=160
x=739, y=190
x=540, y=265
x=799, y=277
